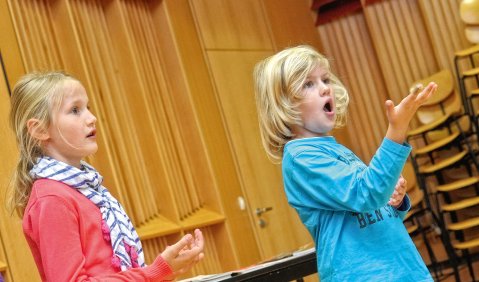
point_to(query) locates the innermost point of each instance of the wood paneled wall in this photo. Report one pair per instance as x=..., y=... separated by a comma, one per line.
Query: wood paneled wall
x=445, y=29
x=382, y=49
x=170, y=82
x=234, y=41
x=169, y=150
x=152, y=152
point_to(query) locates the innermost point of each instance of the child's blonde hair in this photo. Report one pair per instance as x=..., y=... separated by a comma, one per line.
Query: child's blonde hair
x=278, y=83
x=33, y=97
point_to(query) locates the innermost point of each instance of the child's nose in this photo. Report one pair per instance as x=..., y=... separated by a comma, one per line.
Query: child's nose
x=325, y=90
x=91, y=119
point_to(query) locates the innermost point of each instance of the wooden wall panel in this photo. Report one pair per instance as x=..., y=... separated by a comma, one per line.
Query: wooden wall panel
x=232, y=24
x=401, y=41
x=185, y=98
x=14, y=251
x=186, y=47
x=358, y=68
x=289, y=18
x=11, y=54
x=445, y=29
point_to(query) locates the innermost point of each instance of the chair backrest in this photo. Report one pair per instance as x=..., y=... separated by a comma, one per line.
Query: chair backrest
x=410, y=176
x=446, y=100
x=416, y=195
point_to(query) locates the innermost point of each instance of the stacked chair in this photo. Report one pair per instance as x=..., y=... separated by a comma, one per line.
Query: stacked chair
x=445, y=166
x=467, y=72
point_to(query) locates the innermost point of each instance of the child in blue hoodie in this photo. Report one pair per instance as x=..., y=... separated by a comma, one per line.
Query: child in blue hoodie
x=354, y=212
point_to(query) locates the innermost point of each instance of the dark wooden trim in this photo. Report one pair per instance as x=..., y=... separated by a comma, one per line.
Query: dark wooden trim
x=331, y=10
x=5, y=74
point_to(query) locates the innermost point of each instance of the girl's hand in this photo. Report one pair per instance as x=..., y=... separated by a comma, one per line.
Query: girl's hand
x=183, y=255
x=399, y=193
x=399, y=116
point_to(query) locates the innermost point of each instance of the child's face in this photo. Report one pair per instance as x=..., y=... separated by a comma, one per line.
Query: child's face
x=317, y=105
x=72, y=133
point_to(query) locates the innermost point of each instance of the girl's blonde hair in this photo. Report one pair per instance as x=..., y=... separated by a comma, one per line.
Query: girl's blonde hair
x=278, y=82
x=33, y=97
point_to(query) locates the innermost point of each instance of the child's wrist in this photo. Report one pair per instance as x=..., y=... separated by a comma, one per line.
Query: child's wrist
x=396, y=135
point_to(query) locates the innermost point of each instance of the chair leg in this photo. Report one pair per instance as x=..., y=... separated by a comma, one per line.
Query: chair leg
x=452, y=258
x=430, y=252
x=462, y=89
x=465, y=100
x=469, y=264
x=450, y=251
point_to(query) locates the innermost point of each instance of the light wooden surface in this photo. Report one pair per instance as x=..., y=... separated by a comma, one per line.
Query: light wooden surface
x=242, y=24
x=15, y=256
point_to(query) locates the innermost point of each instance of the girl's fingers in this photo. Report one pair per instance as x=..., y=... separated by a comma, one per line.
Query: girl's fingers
x=199, y=240
x=175, y=249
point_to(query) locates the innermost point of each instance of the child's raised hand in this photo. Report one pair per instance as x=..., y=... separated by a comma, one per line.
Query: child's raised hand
x=399, y=116
x=183, y=255
x=399, y=193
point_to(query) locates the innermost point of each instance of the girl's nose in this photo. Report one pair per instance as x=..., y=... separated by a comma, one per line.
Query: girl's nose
x=91, y=118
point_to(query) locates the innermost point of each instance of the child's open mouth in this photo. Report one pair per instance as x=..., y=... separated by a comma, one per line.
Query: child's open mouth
x=328, y=107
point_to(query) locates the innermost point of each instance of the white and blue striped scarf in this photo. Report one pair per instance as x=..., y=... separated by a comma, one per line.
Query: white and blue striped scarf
x=127, y=250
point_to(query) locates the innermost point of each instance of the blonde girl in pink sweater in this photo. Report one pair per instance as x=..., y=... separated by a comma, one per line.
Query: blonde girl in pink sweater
x=76, y=229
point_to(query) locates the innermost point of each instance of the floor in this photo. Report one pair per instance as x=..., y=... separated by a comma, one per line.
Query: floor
x=446, y=275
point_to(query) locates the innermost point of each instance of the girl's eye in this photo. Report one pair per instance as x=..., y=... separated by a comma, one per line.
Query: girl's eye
x=75, y=110
x=327, y=80
x=308, y=84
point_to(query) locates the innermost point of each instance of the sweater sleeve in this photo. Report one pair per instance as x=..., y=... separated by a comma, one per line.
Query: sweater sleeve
x=54, y=230
x=404, y=207
x=316, y=179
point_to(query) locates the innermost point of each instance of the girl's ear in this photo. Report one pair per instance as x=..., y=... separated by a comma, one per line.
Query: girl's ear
x=36, y=129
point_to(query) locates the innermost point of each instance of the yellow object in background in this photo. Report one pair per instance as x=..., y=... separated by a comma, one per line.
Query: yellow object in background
x=469, y=11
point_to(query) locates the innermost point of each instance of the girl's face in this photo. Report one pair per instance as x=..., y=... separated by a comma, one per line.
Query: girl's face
x=317, y=106
x=72, y=133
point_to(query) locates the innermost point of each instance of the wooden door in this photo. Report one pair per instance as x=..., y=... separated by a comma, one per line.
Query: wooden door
x=278, y=230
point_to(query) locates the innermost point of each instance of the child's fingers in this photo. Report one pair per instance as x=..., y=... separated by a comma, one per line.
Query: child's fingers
x=394, y=202
x=416, y=89
x=389, y=108
x=180, y=246
x=189, y=254
x=199, y=240
x=427, y=92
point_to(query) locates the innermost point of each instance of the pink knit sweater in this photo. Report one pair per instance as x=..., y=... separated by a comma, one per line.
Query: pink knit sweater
x=63, y=229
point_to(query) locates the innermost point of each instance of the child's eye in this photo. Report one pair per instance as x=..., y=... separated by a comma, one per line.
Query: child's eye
x=327, y=80
x=75, y=110
x=308, y=84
